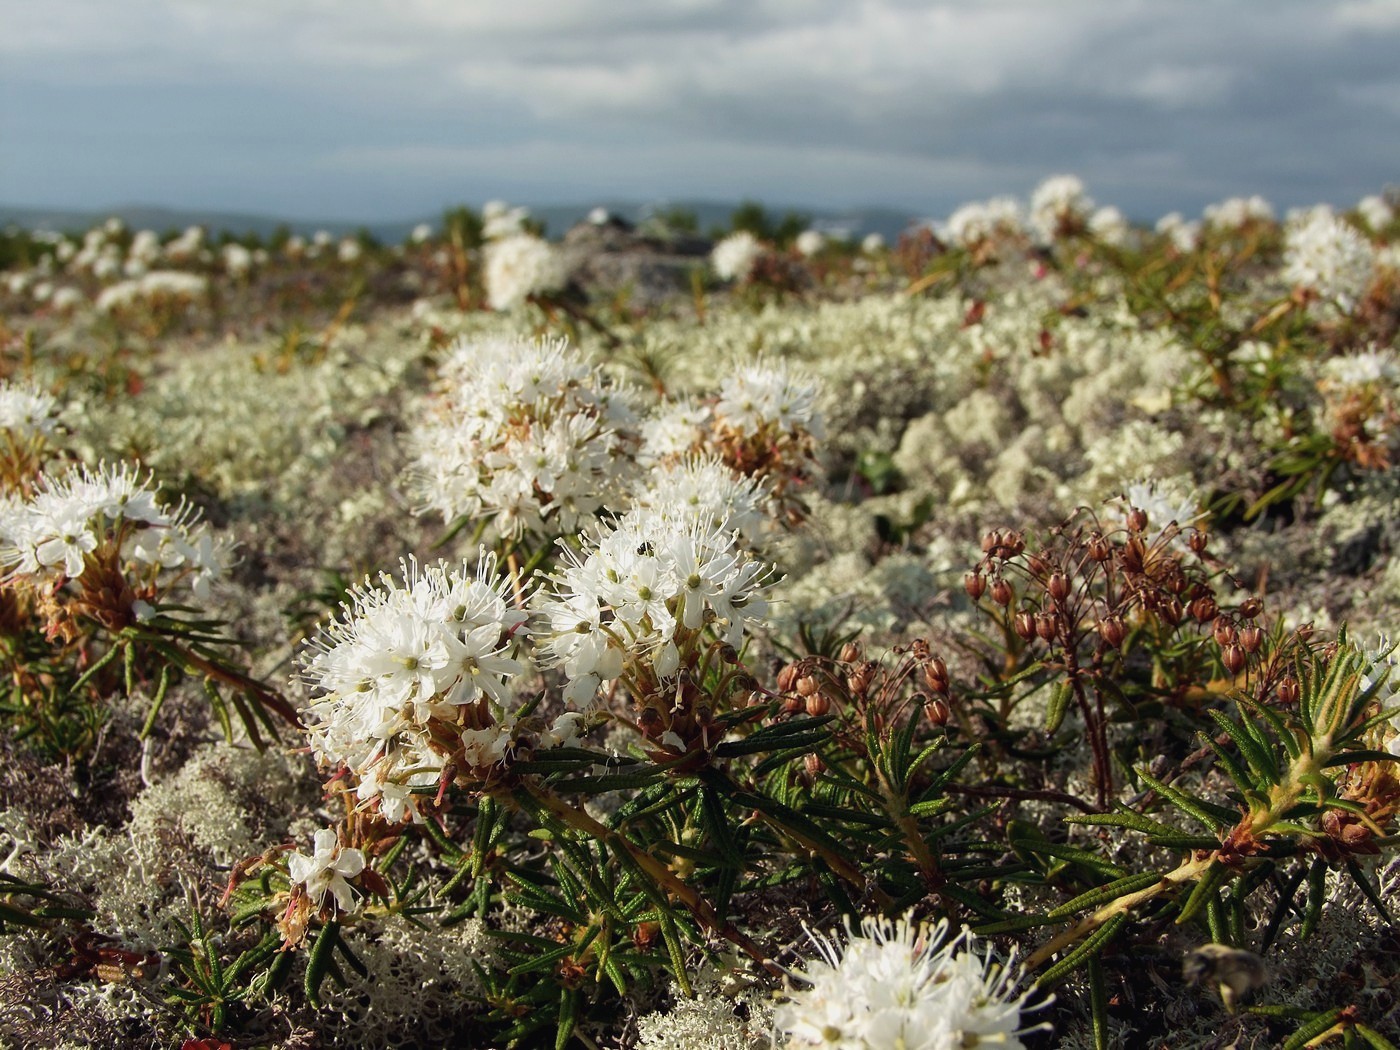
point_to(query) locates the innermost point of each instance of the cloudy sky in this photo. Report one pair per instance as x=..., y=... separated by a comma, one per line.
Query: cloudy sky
x=371, y=109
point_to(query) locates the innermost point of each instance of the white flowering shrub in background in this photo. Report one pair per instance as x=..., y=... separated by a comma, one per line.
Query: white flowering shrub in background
x=526, y=435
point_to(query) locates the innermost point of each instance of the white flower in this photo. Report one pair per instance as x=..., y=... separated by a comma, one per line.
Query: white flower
x=978, y=221
x=528, y=434
x=1109, y=225
x=1328, y=257
x=768, y=394
x=1376, y=212
x=70, y=515
x=26, y=411
x=519, y=266
x=733, y=257
x=906, y=985
x=624, y=598
x=402, y=655
x=421, y=234
x=1057, y=203
x=809, y=243
x=1238, y=212
x=326, y=870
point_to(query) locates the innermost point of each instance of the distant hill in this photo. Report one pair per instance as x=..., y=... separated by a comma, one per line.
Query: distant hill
x=856, y=222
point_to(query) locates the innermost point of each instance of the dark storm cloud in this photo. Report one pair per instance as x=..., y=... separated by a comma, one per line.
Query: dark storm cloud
x=363, y=108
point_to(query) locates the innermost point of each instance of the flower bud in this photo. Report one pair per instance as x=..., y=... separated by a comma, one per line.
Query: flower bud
x=1252, y=637
x=975, y=584
x=1234, y=658
x=936, y=675
x=1058, y=586
x=1113, y=630
x=729, y=654
x=1002, y=592
x=1023, y=623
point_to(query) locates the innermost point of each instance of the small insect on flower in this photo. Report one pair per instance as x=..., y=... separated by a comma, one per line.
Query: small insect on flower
x=1235, y=972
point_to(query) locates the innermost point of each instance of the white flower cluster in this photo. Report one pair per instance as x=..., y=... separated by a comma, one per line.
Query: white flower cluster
x=980, y=221
x=626, y=596
x=26, y=411
x=769, y=396
x=1376, y=212
x=326, y=870
x=1329, y=258
x=810, y=243
x=158, y=284
x=525, y=433
x=1058, y=203
x=46, y=538
x=1164, y=504
x=1235, y=213
x=1370, y=367
x=500, y=220
x=411, y=673
x=1183, y=235
x=703, y=489
x=906, y=985
x=733, y=257
x=521, y=265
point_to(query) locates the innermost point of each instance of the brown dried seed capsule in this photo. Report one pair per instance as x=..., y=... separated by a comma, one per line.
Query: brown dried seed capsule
x=1137, y=519
x=1252, y=637
x=1252, y=608
x=729, y=654
x=1197, y=541
x=1173, y=611
x=1304, y=631
x=1234, y=658
x=975, y=584
x=1045, y=626
x=1288, y=690
x=1023, y=623
x=818, y=704
x=787, y=677
x=813, y=764
x=792, y=704
x=936, y=675
x=1224, y=632
x=1002, y=592
x=1037, y=565
x=1203, y=609
x=938, y=711
x=1113, y=630
x=1058, y=586
x=991, y=541
x=1099, y=548
x=806, y=685
x=850, y=653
